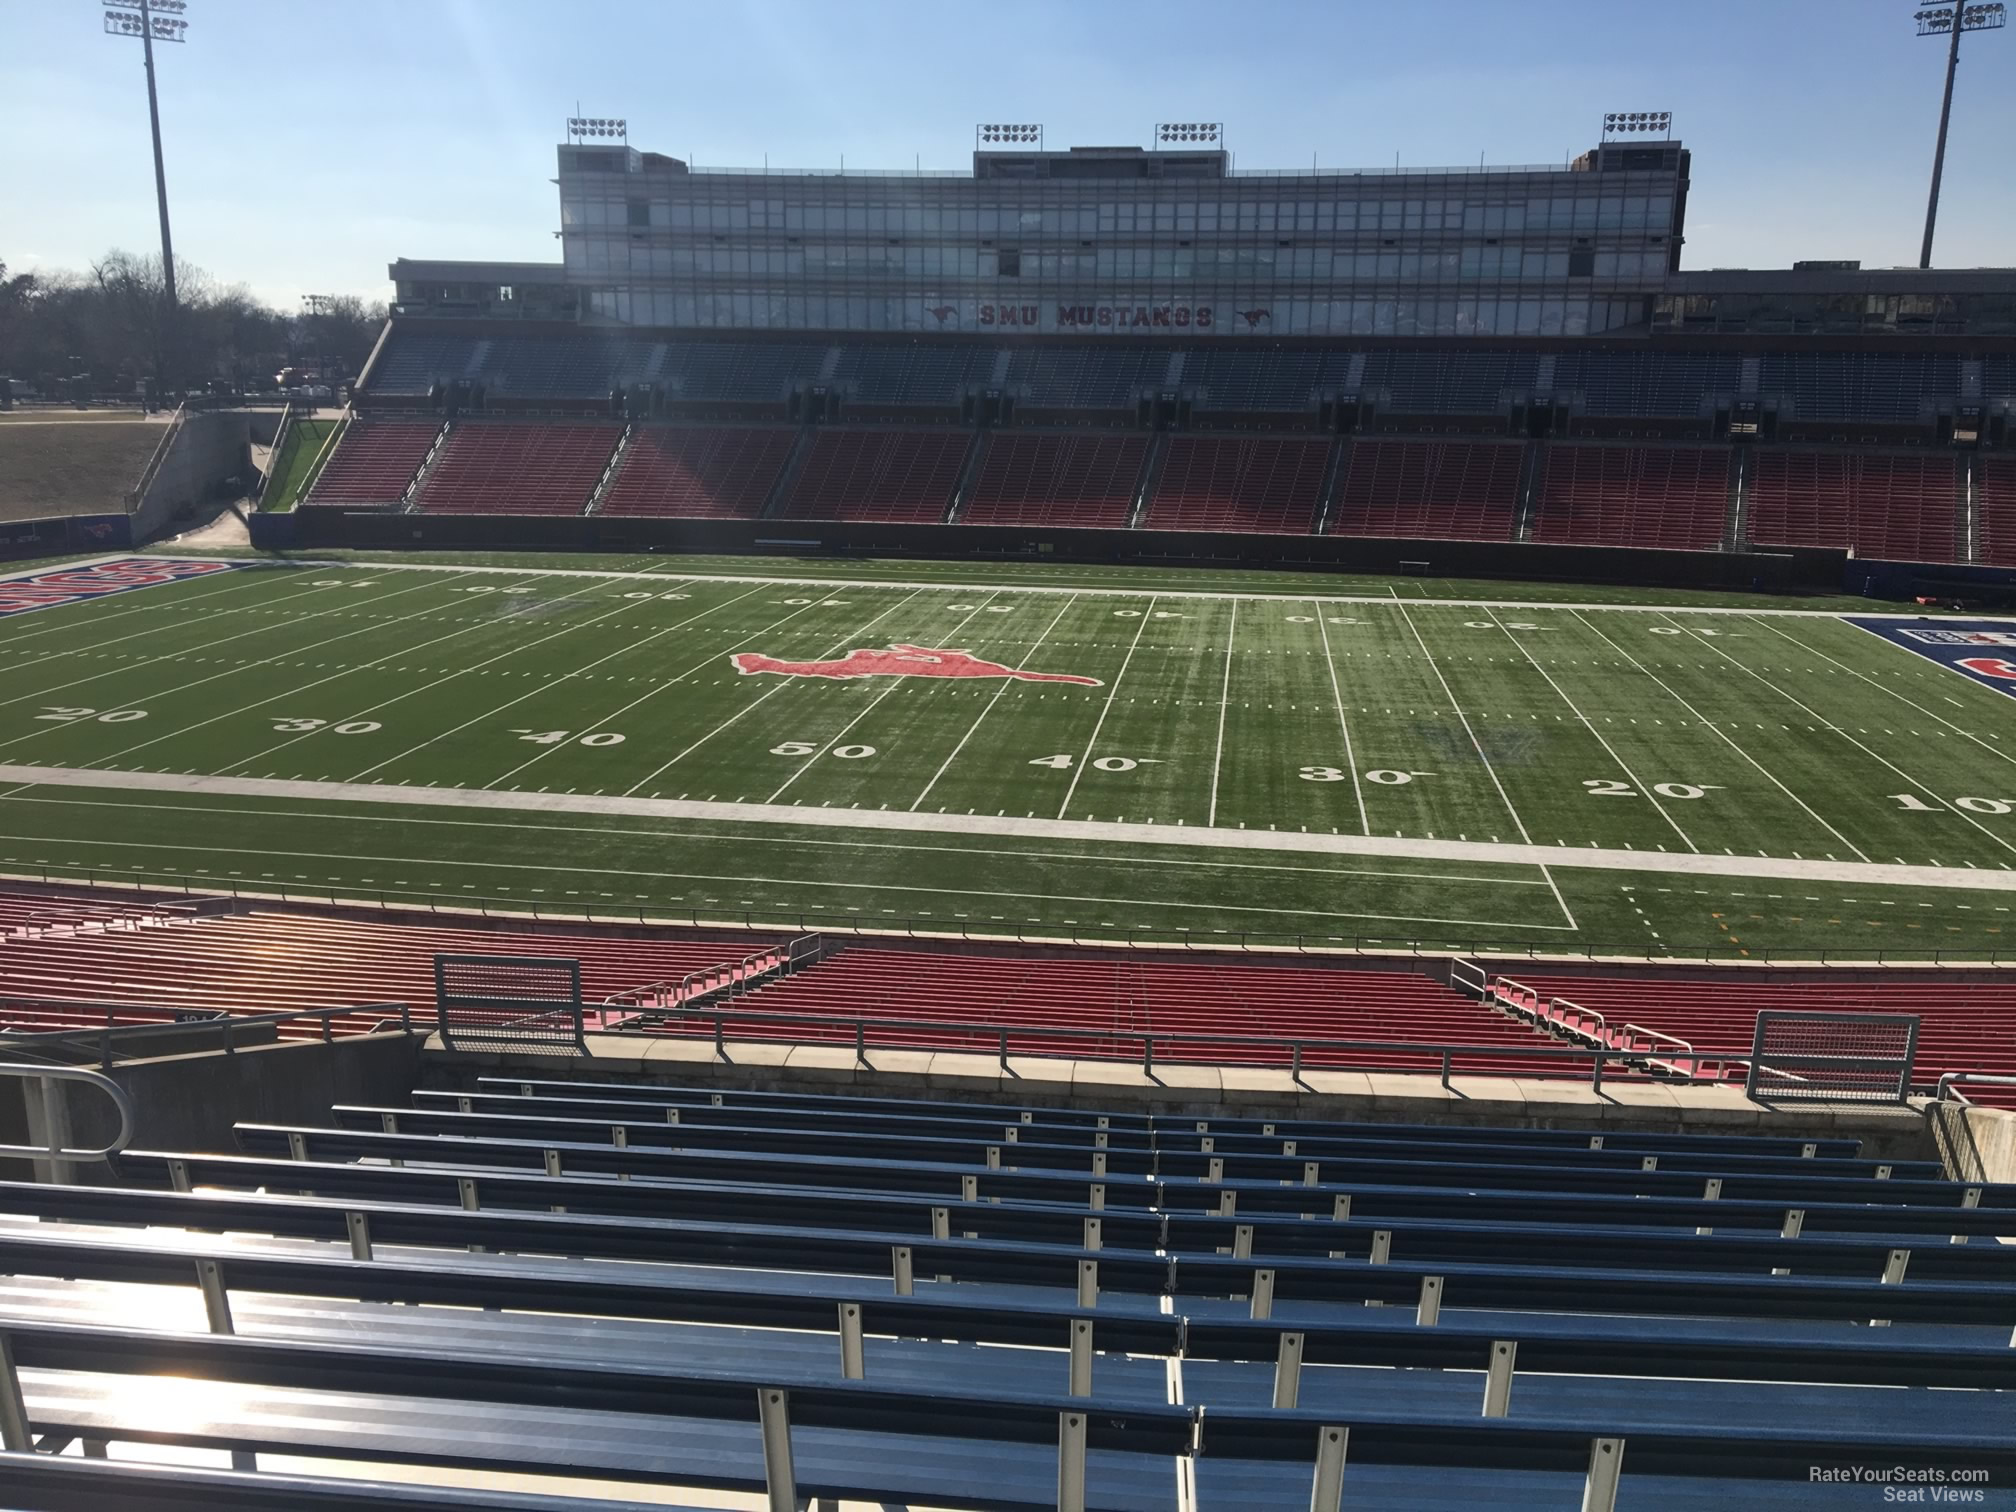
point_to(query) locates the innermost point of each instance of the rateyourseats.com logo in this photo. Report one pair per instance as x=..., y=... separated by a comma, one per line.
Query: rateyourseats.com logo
x=1912, y=1485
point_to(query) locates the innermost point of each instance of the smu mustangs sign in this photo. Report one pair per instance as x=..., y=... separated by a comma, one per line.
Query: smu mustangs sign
x=73, y=585
x=1983, y=650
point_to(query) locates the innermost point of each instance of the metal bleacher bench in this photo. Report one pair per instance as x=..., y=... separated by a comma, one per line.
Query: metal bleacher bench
x=801, y=1296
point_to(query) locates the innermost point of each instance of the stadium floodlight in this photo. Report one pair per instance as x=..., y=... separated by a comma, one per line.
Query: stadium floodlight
x=1950, y=21
x=1638, y=123
x=144, y=19
x=1204, y=133
x=583, y=127
x=1008, y=134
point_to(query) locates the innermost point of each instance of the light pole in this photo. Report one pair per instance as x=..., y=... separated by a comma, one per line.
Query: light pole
x=139, y=18
x=1950, y=21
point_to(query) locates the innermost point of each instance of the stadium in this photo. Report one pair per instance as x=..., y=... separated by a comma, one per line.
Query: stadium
x=1104, y=831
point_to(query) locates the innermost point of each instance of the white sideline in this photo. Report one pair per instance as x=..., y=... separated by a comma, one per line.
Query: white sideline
x=1868, y=874
x=972, y=586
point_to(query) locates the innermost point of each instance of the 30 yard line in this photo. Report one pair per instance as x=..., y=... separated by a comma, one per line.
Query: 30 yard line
x=1478, y=746
x=1343, y=724
x=1525, y=651
x=1224, y=703
x=1027, y=657
x=1708, y=724
x=1078, y=770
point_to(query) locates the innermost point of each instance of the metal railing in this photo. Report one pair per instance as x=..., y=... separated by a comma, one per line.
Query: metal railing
x=728, y=979
x=1097, y=1043
x=55, y=1120
x=214, y=1030
x=1945, y=1091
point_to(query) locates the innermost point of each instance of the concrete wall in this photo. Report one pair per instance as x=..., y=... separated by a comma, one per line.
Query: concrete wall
x=209, y=448
x=1977, y=1144
x=190, y=1102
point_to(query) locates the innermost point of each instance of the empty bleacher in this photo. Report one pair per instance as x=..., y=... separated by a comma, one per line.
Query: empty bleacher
x=374, y=462
x=1665, y=385
x=497, y=468
x=1845, y=387
x=1047, y=479
x=918, y=1301
x=1448, y=383
x=1094, y=377
x=1995, y=509
x=698, y=472
x=1665, y=496
x=1239, y=483
x=414, y=359
x=1888, y=507
x=1238, y=378
x=920, y=375
x=886, y=474
x=1460, y=490
x=1962, y=1026
x=739, y=372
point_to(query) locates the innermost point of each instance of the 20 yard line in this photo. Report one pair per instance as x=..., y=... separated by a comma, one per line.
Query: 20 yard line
x=1028, y=656
x=1672, y=823
x=1078, y=770
x=1224, y=703
x=1478, y=746
x=1343, y=724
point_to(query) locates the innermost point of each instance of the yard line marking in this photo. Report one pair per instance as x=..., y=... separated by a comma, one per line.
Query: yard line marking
x=649, y=693
x=1478, y=747
x=1161, y=836
x=1106, y=708
x=873, y=703
x=1027, y=657
x=1829, y=724
x=1224, y=703
x=1671, y=822
x=335, y=606
x=246, y=667
x=1719, y=734
x=762, y=698
x=969, y=585
x=134, y=603
x=386, y=703
x=1844, y=666
x=1343, y=724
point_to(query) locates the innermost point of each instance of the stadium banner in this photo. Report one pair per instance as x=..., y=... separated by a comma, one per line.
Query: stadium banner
x=1984, y=650
x=74, y=585
x=59, y=533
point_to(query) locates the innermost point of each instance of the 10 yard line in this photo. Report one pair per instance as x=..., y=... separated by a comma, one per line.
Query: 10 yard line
x=1476, y=745
x=1029, y=656
x=1224, y=703
x=1112, y=692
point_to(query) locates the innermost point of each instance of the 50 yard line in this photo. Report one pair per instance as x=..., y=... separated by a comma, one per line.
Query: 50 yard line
x=1224, y=703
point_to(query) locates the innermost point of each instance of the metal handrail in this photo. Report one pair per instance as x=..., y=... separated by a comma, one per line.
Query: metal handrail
x=720, y=1017
x=1946, y=1085
x=226, y=1025
x=48, y=1076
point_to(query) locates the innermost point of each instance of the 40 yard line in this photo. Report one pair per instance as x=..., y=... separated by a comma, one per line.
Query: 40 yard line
x=1107, y=708
x=1224, y=703
x=1028, y=656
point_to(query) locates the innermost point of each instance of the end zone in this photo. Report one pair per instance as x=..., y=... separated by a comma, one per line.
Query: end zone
x=75, y=584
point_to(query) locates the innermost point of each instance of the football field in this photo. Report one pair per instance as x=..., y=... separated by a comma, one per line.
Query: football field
x=1178, y=758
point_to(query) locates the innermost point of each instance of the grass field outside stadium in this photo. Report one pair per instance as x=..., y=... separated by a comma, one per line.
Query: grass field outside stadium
x=1299, y=759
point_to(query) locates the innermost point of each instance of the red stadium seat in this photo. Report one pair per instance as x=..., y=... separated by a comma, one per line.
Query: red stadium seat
x=1448, y=490
x=1239, y=483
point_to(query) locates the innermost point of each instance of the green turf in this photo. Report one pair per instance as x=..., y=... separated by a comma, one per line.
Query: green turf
x=1671, y=734
x=306, y=443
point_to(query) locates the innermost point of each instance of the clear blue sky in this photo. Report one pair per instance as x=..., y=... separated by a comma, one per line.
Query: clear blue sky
x=307, y=146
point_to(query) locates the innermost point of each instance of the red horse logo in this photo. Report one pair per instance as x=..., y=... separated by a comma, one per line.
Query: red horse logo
x=900, y=661
x=1254, y=317
x=943, y=312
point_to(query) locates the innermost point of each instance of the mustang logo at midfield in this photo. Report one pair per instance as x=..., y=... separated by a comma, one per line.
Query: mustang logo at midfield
x=900, y=661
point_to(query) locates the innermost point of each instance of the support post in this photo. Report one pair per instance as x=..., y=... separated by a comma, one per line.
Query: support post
x=1795, y=1221
x=941, y=1223
x=1263, y=1295
x=1081, y=1357
x=1606, y=1465
x=1070, y=1462
x=358, y=1226
x=1429, y=1312
x=1340, y=1210
x=178, y=1175
x=1242, y=1242
x=906, y=1279
x=1326, y=1491
x=1312, y=1173
x=1093, y=1233
x=1088, y=1283
x=1712, y=1192
x=1288, y=1371
x=853, y=1360
x=1894, y=1266
x=297, y=1145
x=14, y=1435
x=1498, y=1377
x=216, y=1300
x=1095, y=1197
x=773, y=1408
x=1382, y=1246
